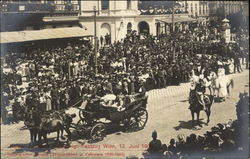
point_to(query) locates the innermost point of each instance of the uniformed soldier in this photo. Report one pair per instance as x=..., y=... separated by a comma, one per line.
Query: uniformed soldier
x=155, y=145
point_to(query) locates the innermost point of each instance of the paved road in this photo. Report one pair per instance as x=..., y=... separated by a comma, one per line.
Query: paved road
x=168, y=115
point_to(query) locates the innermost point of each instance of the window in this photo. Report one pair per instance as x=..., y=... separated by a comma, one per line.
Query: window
x=59, y=1
x=128, y=4
x=43, y=1
x=191, y=8
x=74, y=2
x=105, y=4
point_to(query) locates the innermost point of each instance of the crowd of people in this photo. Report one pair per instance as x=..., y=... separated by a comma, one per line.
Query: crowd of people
x=223, y=139
x=55, y=79
x=162, y=10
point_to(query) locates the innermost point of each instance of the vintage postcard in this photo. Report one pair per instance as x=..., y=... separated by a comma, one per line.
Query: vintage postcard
x=124, y=79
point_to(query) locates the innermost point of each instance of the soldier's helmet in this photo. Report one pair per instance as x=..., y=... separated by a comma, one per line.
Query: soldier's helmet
x=154, y=134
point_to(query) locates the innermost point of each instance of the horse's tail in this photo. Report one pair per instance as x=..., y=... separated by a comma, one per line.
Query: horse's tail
x=232, y=83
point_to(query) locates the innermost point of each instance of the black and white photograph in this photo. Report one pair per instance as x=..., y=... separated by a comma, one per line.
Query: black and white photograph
x=124, y=79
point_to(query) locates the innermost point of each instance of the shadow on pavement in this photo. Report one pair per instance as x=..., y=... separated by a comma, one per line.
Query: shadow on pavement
x=218, y=99
x=188, y=125
x=24, y=148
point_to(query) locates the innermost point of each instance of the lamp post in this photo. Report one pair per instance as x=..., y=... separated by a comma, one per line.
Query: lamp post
x=95, y=41
x=173, y=30
x=173, y=16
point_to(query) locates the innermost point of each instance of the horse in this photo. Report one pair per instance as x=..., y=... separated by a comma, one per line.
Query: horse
x=221, y=84
x=57, y=122
x=31, y=121
x=41, y=125
x=196, y=106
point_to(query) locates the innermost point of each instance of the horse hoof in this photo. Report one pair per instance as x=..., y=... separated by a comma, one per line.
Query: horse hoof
x=67, y=145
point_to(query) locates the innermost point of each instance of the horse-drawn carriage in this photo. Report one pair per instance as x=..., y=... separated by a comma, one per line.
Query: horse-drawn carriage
x=95, y=117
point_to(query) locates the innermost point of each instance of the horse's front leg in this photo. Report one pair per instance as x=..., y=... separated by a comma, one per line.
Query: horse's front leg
x=62, y=137
x=69, y=136
x=198, y=119
x=192, y=113
x=31, y=137
x=39, y=138
x=218, y=93
x=44, y=135
x=228, y=91
x=58, y=133
x=208, y=112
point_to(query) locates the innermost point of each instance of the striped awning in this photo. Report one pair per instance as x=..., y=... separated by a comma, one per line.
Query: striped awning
x=22, y=36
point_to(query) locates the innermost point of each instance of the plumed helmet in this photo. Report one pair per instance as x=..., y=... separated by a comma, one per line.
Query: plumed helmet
x=154, y=134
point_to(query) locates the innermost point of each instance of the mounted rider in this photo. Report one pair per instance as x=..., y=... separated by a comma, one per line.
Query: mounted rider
x=199, y=84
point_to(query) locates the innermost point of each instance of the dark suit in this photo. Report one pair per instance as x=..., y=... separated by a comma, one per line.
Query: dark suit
x=55, y=99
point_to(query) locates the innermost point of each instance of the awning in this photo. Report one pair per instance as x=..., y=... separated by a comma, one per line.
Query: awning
x=177, y=19
x=22, y=36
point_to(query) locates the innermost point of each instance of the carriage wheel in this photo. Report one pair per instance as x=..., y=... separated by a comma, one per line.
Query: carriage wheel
x=81, y=127
x=98, y=132
x=138, y=119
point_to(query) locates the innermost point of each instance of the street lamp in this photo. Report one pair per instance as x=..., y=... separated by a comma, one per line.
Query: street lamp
x=173, y=30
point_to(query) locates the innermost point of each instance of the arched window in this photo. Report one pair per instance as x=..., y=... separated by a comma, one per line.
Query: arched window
x=143, y=27
x=105, y=4
x=106, y=33
x=158, y=28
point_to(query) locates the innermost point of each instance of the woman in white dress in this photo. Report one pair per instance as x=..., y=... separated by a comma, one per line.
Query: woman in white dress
x=48, y=101
x=231, y=66
x=223, y=81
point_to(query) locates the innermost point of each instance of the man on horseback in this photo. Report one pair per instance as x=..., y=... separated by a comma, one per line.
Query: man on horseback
x=200, y=90
x=199, y=84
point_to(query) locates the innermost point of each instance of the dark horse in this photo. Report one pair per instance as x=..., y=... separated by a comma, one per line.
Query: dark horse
x=42, y=125
x=196, y=106
x=56, y=122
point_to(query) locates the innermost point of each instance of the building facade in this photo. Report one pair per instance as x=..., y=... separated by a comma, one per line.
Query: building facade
x=196, y=8
x=115, y=18
x=225, y=7
x=18, y=15
x=118, y=18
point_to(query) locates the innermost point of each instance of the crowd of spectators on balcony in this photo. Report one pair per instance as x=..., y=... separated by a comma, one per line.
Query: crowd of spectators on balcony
x=160, y=10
